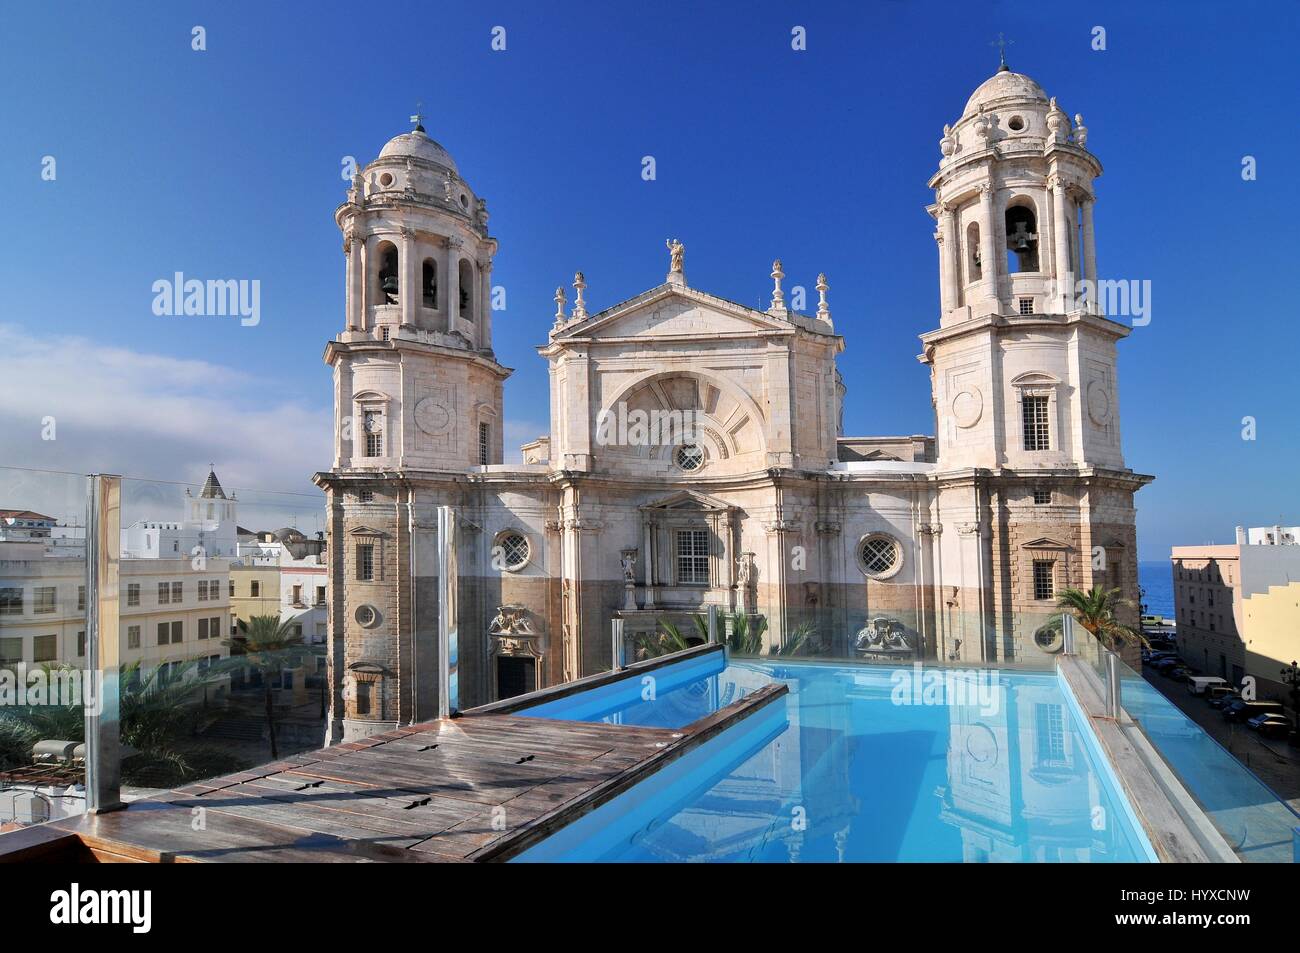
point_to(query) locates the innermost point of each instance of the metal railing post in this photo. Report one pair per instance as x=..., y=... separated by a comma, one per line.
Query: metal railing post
x=448, y=682
x=713, y=625
x=103, y=648
x=1112, y=685
x=616, y=644
x=1067, y=635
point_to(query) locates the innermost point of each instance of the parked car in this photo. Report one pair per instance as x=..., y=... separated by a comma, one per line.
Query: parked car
x=1242, y=710
x=1221, y=695
x=1270, y=725
x=1201, y=684
x=1155, y=658
x=1165, y=664
x=1179, y=673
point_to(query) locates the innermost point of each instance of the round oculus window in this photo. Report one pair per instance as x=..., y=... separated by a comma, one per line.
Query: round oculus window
x=688, y=457
x=514, y=550
x=386, y=179
x=1016, y=124
x=879, y=555
x=366, y=616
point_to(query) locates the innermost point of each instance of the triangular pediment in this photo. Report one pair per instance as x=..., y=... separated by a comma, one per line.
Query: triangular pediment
x=672, y=311
x=686, y=501
x=1046, y=542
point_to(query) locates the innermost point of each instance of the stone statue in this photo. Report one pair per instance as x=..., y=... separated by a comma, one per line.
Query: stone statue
x=744, y=570
x=1080, y=131
x=629, y=566
x=677, y=251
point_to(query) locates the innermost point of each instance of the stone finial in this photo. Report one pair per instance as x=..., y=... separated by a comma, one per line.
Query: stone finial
x=1058, y=124
x=778, y=296
x=1080, y=131
x=559, y=307
x=947, y=145
x=823, y=309
x=676, y=257
x=579, y=302
x=983, y=126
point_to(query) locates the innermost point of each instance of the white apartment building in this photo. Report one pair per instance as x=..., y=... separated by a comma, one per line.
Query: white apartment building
x=1238, y=606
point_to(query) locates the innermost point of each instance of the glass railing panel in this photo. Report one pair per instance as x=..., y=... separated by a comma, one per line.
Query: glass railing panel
x=1256, y=823
x=46, y=681
x=223, y=629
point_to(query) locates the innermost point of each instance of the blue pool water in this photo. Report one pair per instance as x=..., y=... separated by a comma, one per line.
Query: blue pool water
x=857, y=763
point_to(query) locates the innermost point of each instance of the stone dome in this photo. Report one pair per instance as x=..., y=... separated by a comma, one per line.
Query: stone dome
x=1005, y=87
x=417, y=145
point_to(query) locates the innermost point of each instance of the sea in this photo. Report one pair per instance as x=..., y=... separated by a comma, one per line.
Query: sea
x=1157, y=582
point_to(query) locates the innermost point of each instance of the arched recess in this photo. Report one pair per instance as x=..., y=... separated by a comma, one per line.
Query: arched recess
x=974, y=269
x=429, y=284
x=1021, y=220
x=728, y=421
x=386, y=273
x=466, y=275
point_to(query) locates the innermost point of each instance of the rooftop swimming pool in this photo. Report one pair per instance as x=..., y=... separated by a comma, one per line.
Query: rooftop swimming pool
x=856, y=763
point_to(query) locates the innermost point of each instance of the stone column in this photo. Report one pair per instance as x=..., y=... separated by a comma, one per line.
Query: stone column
x=1090, y=253
x=485, y=305
x=947, y=261
x=1061, y=240
x=409, y=289
x=356, y=275
x=989, y=241
x=452, y=282
x=368, y=281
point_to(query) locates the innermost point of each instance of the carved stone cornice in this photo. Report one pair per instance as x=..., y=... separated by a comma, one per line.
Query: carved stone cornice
x=584, y=525
x=828, y=528
x=930, y=529
x=968, y=529
x=782, y=526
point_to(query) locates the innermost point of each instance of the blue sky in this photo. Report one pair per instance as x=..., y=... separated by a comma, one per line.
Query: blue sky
x=226, y=164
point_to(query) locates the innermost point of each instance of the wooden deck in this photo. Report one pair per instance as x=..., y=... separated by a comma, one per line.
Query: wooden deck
x=481, y=787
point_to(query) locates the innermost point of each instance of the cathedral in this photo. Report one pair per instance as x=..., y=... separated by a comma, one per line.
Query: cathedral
x=696, y=454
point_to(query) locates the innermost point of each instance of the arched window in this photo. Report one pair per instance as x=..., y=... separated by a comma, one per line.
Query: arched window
x=429, y=283
x=466, y=290
x=388, y=282
x=1022, y=238
x=973, y=270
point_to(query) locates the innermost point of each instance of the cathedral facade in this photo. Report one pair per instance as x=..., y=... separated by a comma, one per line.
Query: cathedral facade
x=696, y=454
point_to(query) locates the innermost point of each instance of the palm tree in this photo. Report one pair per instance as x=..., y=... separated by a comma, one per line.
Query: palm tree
x=270, y=646
x=1095, y=610
x=746, y=635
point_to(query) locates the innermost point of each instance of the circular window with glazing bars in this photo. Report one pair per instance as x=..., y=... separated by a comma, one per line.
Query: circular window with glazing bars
x=879, y=556
x=514, y=551
x=688, y=457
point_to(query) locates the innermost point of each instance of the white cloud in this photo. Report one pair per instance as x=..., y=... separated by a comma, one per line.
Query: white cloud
x=149, y=416
x=517, y=433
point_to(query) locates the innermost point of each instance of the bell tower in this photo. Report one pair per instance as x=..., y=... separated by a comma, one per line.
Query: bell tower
x=416, y=383
x=1023, y=362
x=1032, y=493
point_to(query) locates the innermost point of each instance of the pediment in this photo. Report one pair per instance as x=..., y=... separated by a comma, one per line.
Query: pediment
x=688, y=501
x=668, y=311
x=366, y=531
x=1046, y=542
